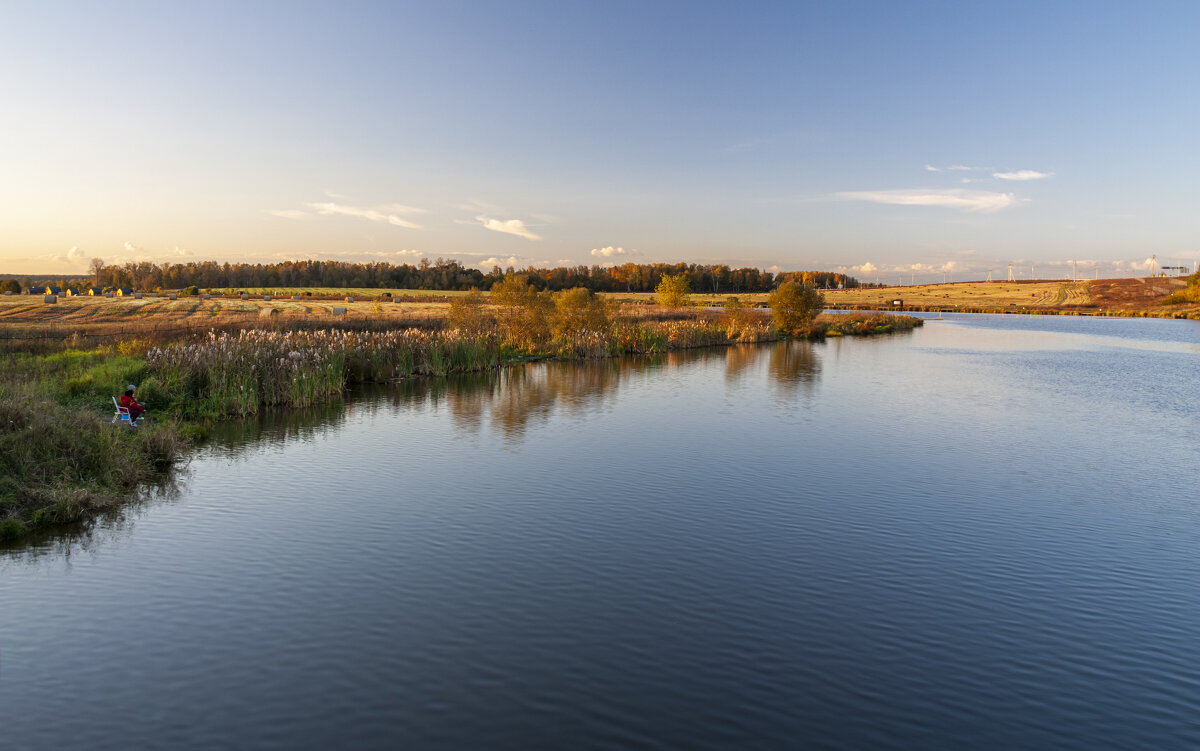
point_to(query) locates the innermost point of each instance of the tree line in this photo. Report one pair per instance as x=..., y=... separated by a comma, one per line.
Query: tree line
x=442, y=275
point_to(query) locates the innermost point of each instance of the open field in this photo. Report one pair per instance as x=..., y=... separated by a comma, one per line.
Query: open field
x=24, y=316
x=1090, y=297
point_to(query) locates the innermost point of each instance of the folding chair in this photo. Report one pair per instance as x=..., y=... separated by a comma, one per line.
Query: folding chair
x=122, y=414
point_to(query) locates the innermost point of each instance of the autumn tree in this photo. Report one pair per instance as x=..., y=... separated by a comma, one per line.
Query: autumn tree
x=523, y=312
x=736, y=315
x=467, y=313
x=673, y=290
x=794, y=306
x=578, y=310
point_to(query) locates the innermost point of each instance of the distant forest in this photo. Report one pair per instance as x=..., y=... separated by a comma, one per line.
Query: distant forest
x=445, y=274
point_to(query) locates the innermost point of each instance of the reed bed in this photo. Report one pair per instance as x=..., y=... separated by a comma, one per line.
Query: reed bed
x=240, y=373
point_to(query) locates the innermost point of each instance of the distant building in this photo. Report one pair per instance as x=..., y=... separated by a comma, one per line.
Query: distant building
x=123, y=291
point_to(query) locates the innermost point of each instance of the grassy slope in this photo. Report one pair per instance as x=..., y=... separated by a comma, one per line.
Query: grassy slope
x=60, y=458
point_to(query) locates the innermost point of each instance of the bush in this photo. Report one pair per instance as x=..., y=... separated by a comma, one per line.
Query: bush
x=673, y=291
x=468, y=315
x=794, y=306
x=580, y=310
x=524, y=313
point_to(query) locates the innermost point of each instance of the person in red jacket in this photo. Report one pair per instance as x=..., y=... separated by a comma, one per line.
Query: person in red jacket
x=136, y=408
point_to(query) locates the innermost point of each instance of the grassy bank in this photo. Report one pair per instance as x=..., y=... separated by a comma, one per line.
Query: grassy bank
x=60, y=458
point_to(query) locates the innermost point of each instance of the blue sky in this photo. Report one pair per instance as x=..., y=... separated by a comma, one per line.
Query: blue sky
x=892, y=140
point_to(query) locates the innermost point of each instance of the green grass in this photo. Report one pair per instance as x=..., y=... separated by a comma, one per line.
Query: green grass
x=61, y=459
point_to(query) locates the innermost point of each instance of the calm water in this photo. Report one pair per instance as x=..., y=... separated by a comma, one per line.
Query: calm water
x=985, y=534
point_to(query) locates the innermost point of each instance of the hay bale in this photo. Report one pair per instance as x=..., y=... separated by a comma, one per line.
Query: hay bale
x=245, y=296
x=137, y=295
x=50, y=298
x=172, y=296
x=339, y=311
x=267, y=312
x=8, y=293
x=349, y=299
x=108, y=294
x=267, y=298
x=295, y=297
x=206, y=296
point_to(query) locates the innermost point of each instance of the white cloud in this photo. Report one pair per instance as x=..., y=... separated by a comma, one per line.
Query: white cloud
x=131, y=248
x=75, y=254
x=866, y=268
x=507, y=226
x=388, y=216
x=610, y=251
x=489, y=263
x=966, y=200
x=1024, y=174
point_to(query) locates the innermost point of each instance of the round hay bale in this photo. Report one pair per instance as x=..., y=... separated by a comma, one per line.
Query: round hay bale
x=349, y=299
x=339, y=311
x=50, y=298
x=267, y=312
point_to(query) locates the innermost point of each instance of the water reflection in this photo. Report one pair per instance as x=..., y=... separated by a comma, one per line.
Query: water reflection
x=794, y=365
x=233, y=437
x=508, y=402
x=514, y=399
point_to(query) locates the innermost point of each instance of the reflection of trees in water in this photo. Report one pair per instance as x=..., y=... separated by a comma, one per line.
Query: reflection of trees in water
x=793, y=364
x=739, y=358
x=532, y=393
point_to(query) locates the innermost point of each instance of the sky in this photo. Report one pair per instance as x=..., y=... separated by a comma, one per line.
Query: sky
x=914, y=141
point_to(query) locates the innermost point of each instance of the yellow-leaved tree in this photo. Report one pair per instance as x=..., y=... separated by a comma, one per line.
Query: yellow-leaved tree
x=794, y=306
x=673, y=291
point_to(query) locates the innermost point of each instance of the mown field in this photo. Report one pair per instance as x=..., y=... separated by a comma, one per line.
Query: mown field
x=22, y=316
x=1093, y=296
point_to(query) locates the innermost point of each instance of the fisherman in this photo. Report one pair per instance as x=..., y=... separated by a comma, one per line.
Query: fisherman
x=136, y=408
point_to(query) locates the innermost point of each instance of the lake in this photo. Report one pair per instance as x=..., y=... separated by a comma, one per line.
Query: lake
x=982, y=534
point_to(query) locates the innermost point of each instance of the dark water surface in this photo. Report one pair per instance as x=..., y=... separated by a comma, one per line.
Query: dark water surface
x=985, y=534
